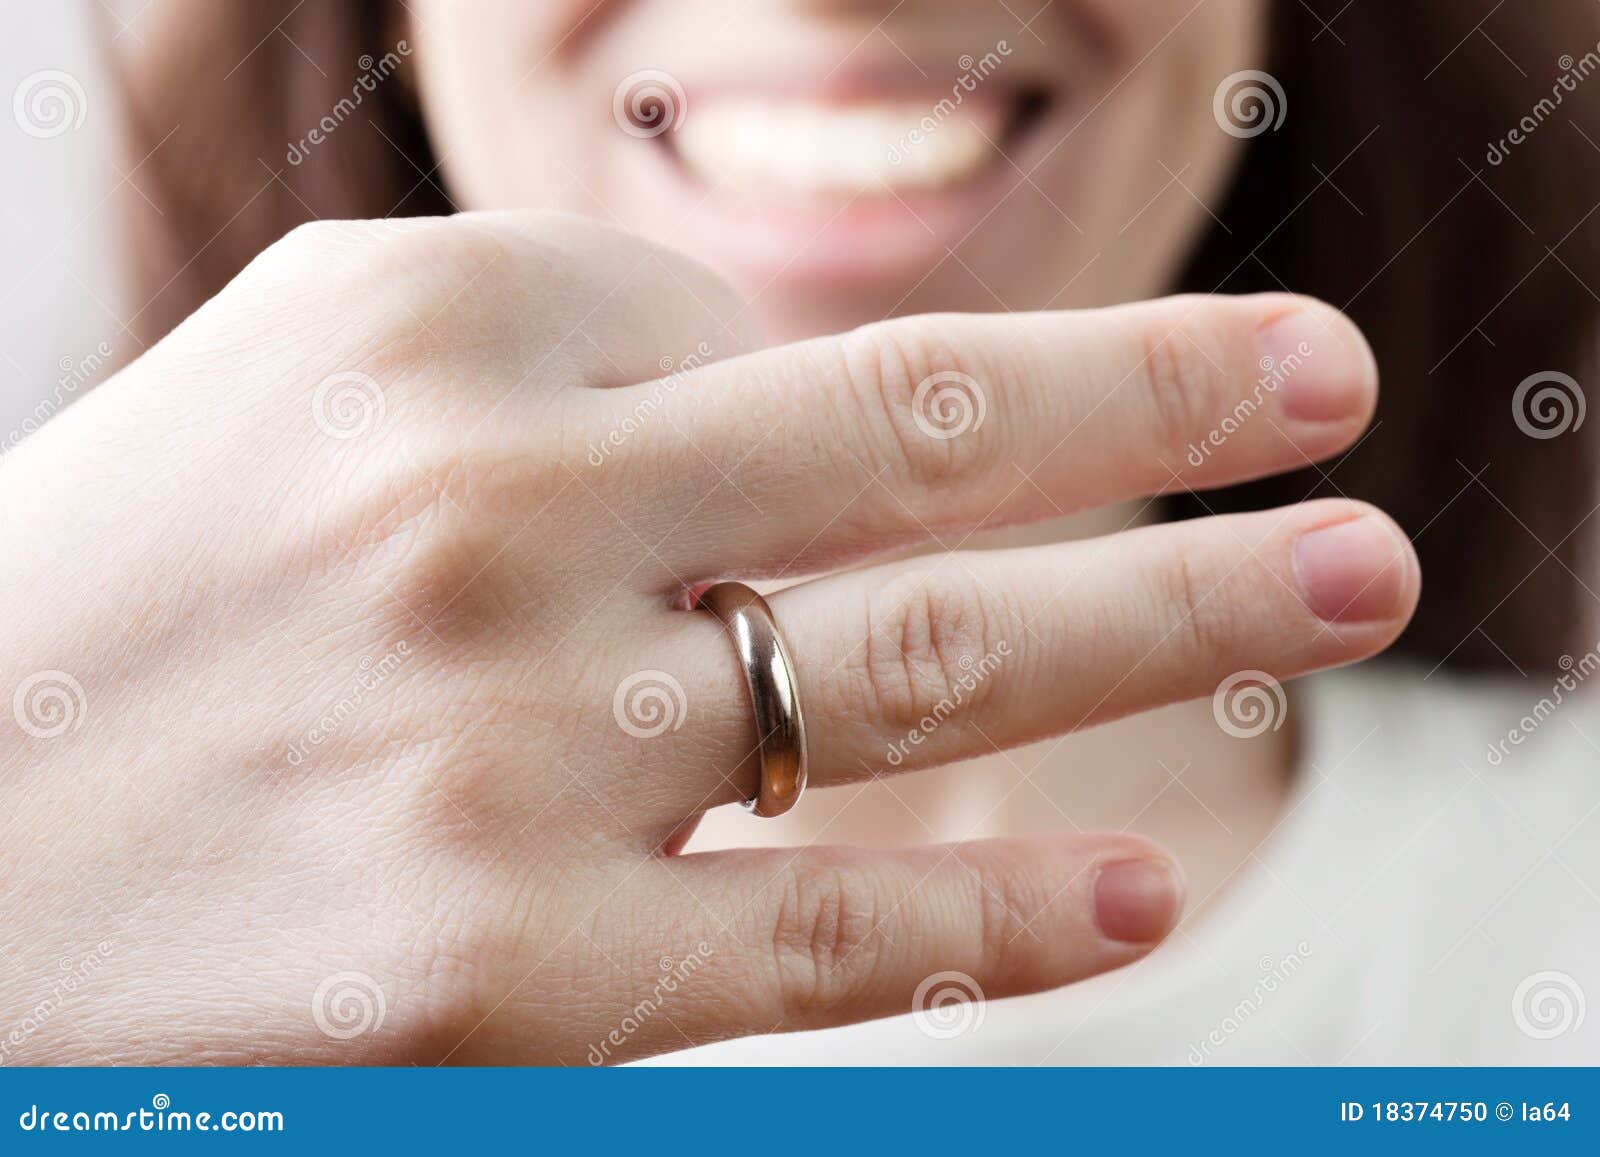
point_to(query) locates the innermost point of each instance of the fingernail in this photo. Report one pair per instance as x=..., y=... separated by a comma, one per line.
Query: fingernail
x=1318, y=363
x=1352, y=572
x=1137, y=901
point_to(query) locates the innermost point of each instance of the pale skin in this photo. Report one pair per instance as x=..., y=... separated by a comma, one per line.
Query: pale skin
x=222, y=553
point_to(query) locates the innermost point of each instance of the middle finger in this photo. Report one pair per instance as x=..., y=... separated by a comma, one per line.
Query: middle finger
x=818, y=454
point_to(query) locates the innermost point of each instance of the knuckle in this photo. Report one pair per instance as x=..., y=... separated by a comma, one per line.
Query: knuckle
x=470, y=917
x=401, y=274
x=1182, y=382
x=447, y=278
x=922, y=400
x=329, y=246
x=825, y=938
x=443, y=977
x=411, y=271
x=314, y=240
x=286, y=261
x=1199, y=609
x=428, y=532
x=464, y=797
x=448, y=581
x=925, y=638
x=414, y=984
x=576, y=232
x=451, y=999
x=1005, y=911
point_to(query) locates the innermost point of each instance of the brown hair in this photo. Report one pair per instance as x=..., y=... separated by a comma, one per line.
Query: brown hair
x=1434, y=176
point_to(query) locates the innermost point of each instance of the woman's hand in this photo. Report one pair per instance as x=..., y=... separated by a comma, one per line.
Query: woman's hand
x=355, y=708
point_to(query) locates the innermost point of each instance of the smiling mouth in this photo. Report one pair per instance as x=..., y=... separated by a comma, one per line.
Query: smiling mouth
x=797, y=147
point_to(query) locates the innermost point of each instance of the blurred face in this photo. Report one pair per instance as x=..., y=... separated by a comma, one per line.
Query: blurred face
x=843, y=160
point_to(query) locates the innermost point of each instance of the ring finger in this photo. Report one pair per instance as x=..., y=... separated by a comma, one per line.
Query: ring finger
x=948, y=657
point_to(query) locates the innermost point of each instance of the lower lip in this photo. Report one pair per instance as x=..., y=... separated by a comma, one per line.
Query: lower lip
x=869, y=236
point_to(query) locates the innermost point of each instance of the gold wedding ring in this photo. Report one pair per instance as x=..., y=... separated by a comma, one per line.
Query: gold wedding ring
x=774, y=695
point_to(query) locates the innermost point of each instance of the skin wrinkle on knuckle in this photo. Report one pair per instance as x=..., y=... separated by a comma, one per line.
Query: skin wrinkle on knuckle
x=1182, y=385
x=885, y=365
x=1198, y=606
x=925, y=633
x=321, y=248
x=483, y=909
x=1003, y=922
x=826, y=943
x=430, y=540
x=456, y=777
x=438, y=289
x=448, y=968
x=421, y=527
x=491, y=917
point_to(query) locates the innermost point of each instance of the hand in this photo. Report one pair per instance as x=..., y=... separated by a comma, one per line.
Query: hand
x=337, y=622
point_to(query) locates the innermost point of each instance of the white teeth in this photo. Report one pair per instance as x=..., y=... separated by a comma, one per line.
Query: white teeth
x=808, y=147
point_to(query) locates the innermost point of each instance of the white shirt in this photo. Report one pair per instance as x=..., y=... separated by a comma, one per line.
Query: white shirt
x=1416, y=904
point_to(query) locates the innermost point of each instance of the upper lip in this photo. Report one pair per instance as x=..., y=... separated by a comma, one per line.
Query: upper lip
x=1015, y=80
x=885, y=80
x=852, y=66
